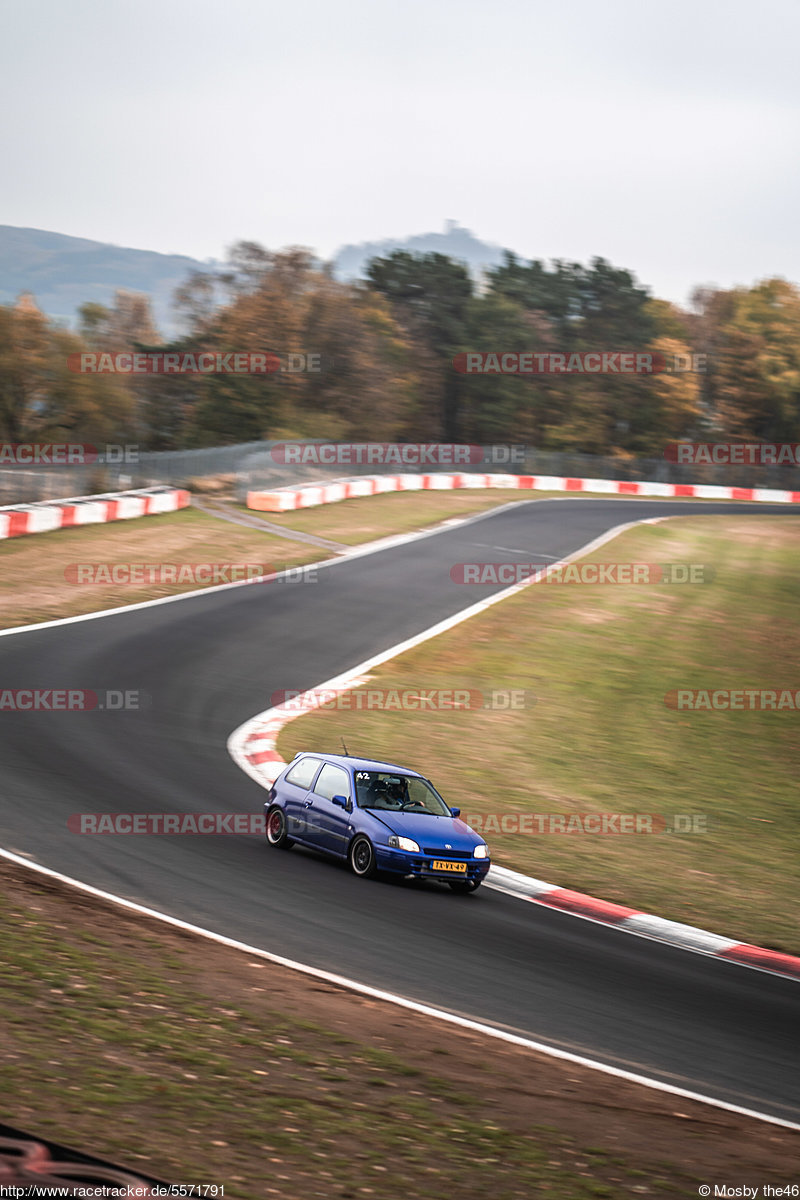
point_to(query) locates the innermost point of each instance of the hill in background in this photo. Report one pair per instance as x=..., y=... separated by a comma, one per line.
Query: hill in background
x=456, y=242
x=65, y=272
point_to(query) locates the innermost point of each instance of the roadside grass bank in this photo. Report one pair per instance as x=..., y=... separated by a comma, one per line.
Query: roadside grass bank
x=599, y=661
x=367, y=518
x=195, y=1063
x=38, y=573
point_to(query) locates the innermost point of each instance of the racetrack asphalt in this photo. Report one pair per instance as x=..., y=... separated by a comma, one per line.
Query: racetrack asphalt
x=210, y=662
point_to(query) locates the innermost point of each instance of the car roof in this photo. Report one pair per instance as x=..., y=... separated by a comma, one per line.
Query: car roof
x=359, y=764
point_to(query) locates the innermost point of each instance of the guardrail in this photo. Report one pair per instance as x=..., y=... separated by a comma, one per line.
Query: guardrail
x=261, y=465
x=310, y=495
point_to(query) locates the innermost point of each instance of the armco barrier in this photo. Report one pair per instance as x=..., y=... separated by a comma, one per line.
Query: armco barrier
x=20, y=519
x=308, y=496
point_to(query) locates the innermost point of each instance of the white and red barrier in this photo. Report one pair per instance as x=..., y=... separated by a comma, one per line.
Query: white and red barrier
x=286, y=499
x=17, y=520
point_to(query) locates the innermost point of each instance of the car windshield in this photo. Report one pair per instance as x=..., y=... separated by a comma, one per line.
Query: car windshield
x=400, y=793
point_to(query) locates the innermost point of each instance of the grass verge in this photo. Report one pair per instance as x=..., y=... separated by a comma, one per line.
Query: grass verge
x=195, y=1063
x=353, y=522
x=36, y=572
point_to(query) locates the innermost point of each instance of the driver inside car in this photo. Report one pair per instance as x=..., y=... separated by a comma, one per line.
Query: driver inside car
x=377, y=794
x=395, y=793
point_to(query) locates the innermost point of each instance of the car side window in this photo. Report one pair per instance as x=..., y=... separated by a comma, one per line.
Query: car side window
x=303, y=772
x=333, y=781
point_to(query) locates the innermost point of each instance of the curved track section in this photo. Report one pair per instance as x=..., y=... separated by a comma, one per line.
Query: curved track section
x=211, y=661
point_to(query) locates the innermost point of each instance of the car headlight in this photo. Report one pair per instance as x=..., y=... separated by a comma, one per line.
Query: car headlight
x=481, y=851
x=403, y=843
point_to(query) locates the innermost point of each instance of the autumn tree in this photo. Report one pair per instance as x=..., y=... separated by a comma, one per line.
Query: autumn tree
x=751, y=337
x=24, y=341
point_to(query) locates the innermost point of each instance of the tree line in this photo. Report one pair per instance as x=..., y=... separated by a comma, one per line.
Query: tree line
x=386, y=348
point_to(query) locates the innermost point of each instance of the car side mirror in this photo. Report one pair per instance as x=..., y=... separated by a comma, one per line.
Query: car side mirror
x=455, y=812
x=342, y=802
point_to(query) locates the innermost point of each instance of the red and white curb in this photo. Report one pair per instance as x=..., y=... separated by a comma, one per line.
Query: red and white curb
x=253, y=748
x=286, y=499
x=18, y=520
x=687, y=937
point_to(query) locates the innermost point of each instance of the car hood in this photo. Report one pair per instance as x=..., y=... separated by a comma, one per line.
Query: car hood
x=427, y=830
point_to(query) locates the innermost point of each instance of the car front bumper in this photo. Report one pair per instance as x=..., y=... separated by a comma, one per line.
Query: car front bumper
x=420, y=865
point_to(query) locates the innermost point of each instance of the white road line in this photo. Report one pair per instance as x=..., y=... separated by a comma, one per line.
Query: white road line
x=534, y=554
x=353, y=985
x=427, y=1010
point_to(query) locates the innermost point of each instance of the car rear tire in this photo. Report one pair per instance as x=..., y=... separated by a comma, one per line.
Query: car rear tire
x=362, y=858
x=464, y=886
x=276, y=830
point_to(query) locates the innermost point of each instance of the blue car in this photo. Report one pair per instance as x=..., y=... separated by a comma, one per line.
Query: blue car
x=377, y=816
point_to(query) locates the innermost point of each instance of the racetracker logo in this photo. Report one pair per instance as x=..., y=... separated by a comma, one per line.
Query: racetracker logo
x=592, y=362
x=603, y=824
x=192, y=574
x=63, y=454
x=70, y=700
x=392, y=454
x=733, y=700
x=203, y=363
x=586, y=573
x=751, y=454
x=404, y=700
x=168, y=823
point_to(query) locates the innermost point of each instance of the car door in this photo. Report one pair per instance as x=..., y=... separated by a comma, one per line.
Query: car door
x=295, y=790
x=330, y=821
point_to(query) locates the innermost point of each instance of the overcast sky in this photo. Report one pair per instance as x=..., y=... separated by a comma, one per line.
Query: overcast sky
x=663, y=136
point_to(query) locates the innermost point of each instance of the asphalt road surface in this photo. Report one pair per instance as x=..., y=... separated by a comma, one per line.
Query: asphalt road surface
x=210, y=662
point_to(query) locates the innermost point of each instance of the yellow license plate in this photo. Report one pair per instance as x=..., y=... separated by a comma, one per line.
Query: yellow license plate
x=438, y=864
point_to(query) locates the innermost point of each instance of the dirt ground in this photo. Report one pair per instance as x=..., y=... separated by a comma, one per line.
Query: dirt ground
x=620, y=1138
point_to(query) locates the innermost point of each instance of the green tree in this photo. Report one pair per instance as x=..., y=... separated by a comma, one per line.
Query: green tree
x=429, y=293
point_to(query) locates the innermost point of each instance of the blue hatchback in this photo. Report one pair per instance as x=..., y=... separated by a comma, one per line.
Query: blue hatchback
x=378, y=816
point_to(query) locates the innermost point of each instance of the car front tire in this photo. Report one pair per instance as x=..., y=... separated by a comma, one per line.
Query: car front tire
x=277, y=835
x=464, y=886
x=362, y=858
